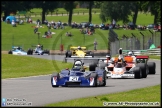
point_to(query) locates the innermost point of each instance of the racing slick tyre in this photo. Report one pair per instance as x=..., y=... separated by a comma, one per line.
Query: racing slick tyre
x=48, y=52
x=54, y=75
x=29, y=52
x=152, y=67
x=68, y=54
x=104, y=80
x=144, y=69
x=92, y=67
x=137, y=73
x=94, y=75
x=91, y=54
x=88, y=52
x=10, y=52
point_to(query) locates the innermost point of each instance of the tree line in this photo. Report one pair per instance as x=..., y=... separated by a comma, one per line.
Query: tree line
x=117, y=10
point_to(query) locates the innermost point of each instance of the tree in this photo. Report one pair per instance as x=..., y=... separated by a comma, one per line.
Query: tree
x=115, y=10
x=12, y=6
x=135, y=6
x=97, y=4
x=90, y=10
x=154, y=7
x=46, y=6
x=90, y=6
x=69, y=6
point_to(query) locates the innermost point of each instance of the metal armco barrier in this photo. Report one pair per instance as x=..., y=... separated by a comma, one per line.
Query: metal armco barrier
x=156, y=51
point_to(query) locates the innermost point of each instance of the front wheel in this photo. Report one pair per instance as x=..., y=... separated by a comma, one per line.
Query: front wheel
x=10, y=52
x=137, y=73
x=144, y=69
x=93, y=79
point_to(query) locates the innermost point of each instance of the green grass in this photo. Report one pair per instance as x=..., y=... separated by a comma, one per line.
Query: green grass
x=14, y=66
x=25, y=37
x=148, y=94
x=155, y=57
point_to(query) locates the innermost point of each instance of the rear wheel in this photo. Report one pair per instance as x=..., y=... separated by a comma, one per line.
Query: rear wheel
x=92, y=67
x=104, y=80
x=152, y=67
x=55, y=75
x=92, y=54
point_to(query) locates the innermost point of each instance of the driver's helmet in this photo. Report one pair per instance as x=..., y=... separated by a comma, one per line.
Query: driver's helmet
x=130, y=54
x=79, y=48
x=77, y=64
x=119, y=59
x=18, y=48
x=108, y=57
x=38, y=46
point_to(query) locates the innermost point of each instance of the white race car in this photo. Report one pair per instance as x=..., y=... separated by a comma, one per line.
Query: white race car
x=121, y=70
x=131, y=67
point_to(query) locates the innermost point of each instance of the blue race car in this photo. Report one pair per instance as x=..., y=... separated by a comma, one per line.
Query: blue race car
x=16, y=50
x=78, y=76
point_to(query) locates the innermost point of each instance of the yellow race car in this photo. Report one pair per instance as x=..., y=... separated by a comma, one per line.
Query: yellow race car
x=79, y=52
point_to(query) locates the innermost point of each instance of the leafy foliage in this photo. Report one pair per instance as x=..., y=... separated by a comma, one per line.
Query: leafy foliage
x=115, y=10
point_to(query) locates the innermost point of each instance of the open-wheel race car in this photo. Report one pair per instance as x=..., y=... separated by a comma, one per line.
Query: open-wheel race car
x=131, y=67
x=79, y=52
x=79, y=76
x=17, y=50
x=38, y=51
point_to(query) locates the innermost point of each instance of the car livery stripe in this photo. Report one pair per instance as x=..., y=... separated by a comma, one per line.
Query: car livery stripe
x=91, y=81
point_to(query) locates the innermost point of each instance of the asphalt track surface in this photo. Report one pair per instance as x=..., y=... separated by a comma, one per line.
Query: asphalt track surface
x=38, y=89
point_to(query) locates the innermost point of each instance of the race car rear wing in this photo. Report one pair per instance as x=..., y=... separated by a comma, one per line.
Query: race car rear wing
x=84, y=58
x=142, y=57
x=79, y=57
x=74, y=48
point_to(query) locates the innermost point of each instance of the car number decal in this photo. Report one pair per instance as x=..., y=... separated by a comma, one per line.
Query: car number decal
x=73, y=78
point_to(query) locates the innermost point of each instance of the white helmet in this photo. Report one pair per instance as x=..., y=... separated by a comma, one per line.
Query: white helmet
x=79, y=47
x=77, y=64
x=130, y=53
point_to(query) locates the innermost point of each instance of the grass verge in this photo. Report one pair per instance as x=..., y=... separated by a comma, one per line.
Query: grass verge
x=14, y=66
x=148, y=94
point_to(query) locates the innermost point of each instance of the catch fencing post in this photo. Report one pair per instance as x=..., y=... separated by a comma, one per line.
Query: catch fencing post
x=133, y=36
x=143, y=39
x=126, y=38
x=155, y=38
x=152, y=35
